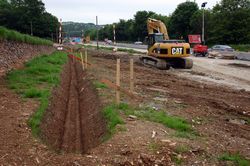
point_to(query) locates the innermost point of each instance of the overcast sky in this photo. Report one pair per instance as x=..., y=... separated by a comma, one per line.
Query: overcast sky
x=109, y=11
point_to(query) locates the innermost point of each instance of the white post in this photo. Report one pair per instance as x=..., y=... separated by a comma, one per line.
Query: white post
x=114, y=34
x=97, y=33
x=60, y=32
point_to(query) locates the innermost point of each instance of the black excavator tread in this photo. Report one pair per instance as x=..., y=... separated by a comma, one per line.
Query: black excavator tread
x=165, y=64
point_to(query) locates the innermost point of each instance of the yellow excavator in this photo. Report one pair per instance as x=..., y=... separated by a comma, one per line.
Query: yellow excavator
x=163, y=52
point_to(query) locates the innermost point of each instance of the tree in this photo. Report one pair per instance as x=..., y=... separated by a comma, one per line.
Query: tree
x=22, y=15
x=140, y=26
x=231, y=22
x=92, y=33
x=179, y=25
x=125, y=31
x=196, y=24
x=5, y=12
x=106, y=32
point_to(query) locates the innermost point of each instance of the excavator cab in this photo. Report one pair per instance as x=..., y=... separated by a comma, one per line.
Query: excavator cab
x=155, y=38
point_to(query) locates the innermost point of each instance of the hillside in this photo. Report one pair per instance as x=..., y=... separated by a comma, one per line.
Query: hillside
x=75, y=29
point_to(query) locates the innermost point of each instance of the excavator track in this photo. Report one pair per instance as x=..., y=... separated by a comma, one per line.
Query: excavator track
x=155, y=62
x=165, y=64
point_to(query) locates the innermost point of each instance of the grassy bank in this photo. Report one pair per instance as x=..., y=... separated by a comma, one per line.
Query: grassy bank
x=36, y=80
x=12, y=35
x=237, y=159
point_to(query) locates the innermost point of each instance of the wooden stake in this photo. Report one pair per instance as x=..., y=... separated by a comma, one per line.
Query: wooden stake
x=86, y=58
x=131, y=75
x=118, y=81
x=82, y=61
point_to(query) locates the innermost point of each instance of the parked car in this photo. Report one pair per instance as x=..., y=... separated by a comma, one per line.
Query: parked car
x=138, y=43
x=108, y=41
x=221, y=48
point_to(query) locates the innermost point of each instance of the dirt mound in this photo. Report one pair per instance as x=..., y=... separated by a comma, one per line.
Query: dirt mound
x=109, y=55
x=73, y=121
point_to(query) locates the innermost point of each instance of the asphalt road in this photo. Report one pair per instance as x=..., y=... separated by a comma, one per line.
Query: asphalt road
x=232, y=73
x=141, y=48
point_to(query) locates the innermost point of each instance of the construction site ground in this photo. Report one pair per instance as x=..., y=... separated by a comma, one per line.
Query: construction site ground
x=219, y=113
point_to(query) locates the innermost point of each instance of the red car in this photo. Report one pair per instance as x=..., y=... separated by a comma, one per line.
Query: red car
x=199, y=49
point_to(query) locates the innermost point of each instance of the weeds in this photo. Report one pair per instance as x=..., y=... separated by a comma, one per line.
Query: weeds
x=36, y=81
x=236, y=158
x=154, y=147
x=247, y=120
x=188, y=135
x=173, y=122
x=19, y=37
x=181, y=149
x=131, y=51
x=112, y=117
x=176, y=159
x=100, y=85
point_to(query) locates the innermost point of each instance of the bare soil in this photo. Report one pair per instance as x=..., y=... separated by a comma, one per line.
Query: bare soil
x=219, y=114
x=212, y=109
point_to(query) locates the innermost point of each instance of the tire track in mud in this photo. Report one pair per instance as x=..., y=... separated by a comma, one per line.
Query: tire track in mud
x=73, y=121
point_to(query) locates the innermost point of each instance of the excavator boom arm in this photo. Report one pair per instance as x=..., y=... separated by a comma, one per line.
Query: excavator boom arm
x=156, y=25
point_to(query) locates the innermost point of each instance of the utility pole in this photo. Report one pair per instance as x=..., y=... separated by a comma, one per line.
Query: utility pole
x=31, y=28
x=97, y=33
x=203, y=5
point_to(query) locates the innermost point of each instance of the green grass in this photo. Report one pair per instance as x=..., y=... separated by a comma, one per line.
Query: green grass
x=188, y=135
x=113, y=119
x=12, y=35
x=247, y=120
x=36, y=80
x=100, y=85
x=236, y=158
x=181, y=149
x=241, y=47
x=176, y=160
x=131, y=51
x=154, y=147
x=106, y=48
x=112, y=116
x=150, y=114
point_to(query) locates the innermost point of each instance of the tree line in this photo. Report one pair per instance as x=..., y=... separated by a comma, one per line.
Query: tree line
x=75, y=29
x=29, y=17
x=228, y=22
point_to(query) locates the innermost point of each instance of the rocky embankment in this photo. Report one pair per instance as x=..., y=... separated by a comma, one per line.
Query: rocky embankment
x=14, y=54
